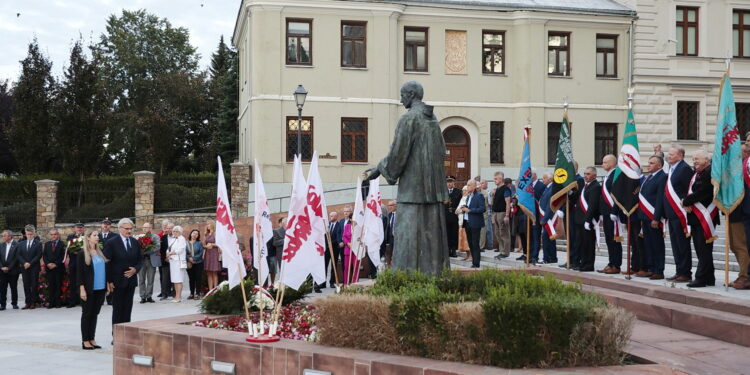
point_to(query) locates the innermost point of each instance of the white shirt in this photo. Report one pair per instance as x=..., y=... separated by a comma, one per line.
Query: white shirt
x=125, y=242
x=7, y=249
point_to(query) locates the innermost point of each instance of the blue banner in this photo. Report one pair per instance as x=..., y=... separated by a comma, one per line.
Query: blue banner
x=525, y=189
x=726, y=163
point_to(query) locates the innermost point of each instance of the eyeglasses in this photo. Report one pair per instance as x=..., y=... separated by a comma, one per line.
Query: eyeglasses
x=127, y=228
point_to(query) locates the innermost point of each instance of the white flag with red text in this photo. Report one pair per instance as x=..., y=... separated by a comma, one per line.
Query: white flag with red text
x=226, y=236
x=373, y=223
x=358, y=217
x=318, y=214
x=300, y=254
x=263, y=228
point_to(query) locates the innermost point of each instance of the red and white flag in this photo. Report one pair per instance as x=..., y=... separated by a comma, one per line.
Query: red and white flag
x=373, y=223
x=358, y=216
x=263, y=228
x=300, y=253
x=318, y=213
x=226, y=236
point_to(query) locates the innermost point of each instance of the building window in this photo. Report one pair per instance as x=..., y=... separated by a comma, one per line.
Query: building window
x=291, y=138
x=605, y=140
x=687, y=120
x=354, y=140
x=606, y=55
x=558, y=48
x=415, y=49
x=553, y=138
x=298, y=42
x=743, y=119
x=687, y=31
x=497, y=136
x=353, y=44
x=493, y=52
x=741, y=33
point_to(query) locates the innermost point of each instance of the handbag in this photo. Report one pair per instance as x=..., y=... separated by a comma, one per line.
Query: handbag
x=190, y=265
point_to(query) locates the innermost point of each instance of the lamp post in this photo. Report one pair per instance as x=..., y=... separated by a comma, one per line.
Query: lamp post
x=300, y=94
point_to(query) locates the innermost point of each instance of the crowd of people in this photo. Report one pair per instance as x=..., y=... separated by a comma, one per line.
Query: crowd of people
x=100, y=266
x=673, y=201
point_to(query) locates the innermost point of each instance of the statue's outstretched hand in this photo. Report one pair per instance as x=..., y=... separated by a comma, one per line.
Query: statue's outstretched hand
x=371, y=174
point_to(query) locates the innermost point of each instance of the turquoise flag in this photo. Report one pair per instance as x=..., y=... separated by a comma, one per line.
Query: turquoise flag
x=525, y=189
x=726, y=163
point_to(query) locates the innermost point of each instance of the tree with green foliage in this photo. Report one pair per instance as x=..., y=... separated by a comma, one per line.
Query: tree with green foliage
x=81, y=114
x=224, y=88
x=159, y=98
x=31, y=128
x=7, y=161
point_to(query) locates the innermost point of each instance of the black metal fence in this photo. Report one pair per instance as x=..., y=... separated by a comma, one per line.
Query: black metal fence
x=180, y=192
x=95, y=198
x=17, y=203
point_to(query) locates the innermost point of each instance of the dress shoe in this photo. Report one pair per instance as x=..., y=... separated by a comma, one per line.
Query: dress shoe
x=575, y=268
x=473, y=266
x=682, y=279
x=162, y=298
x=2, y=308
x=15, y=307
x=317, y=290
x=562, y=265
x=84, y=347
x=656, y=276
x=160, y=295
x=672, y=278
x=143, y=300
x=604, y=270
x=453, y=254
x=150, y=300
x=700, y=283
x=503, y=255
x=25, y=307
x=740, y=284
x=586, y=269
x=522, y=257
x=612, y=271
x=626, y=272
x=643, y=273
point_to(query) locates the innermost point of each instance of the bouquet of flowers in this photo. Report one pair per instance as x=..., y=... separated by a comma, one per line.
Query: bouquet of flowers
x=75, y=245
x=147, y=243
x=261, y=299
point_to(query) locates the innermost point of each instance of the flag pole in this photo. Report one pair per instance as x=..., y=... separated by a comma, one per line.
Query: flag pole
x=627, y=276
x=528, y=240
x=726, y=252
x=244, y=296
x=333, y=260
x=567, y=231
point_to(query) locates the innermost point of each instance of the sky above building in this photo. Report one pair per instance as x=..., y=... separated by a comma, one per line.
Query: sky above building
x=58, y=23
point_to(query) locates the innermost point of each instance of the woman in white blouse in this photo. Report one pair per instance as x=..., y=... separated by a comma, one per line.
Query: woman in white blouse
x=177, y=261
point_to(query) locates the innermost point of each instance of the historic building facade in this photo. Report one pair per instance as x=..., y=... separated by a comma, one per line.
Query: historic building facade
x=680, y=54
x=489, y=67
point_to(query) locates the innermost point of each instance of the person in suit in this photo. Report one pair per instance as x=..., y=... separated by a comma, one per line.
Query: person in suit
x=585, y=219
x=549, y=245
x=29, y=253
x=536, y=227
x=166, y=283
x=701, y=192
x=333, y=217
x=78, y=231
x=92, y=287
x=53, y=254
x=125, y=260
x=451, y=220
x=389, y=231
x=482, y=189
x=9, y=270
x=278, y=239
x=500, y=219
x=473, y=220
x=678, y=177
x=612, y=216
x=651, y=214
x=151, y=262
x=573, y=236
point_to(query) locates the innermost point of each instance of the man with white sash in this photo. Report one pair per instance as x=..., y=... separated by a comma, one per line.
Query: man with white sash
x=586, y=217
x=703, y=217
x=548, y=219
x=651, y=215
x=675, y=189
x=612, y=215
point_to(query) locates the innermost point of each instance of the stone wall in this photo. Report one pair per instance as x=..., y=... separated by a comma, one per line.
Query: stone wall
x=46, y=203
x=241, y=179
x=144, y=196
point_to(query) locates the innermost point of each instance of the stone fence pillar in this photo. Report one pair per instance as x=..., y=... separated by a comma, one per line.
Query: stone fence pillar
x=240, y=189
x=46, y=203
x=144, y=197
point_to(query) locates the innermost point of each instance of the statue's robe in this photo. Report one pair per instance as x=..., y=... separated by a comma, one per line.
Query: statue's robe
x=415, y=161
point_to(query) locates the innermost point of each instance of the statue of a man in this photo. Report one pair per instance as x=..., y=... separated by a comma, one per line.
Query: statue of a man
x=415, y=161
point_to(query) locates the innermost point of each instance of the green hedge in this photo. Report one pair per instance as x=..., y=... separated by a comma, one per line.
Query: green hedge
x=528, y=321
x=227, y=301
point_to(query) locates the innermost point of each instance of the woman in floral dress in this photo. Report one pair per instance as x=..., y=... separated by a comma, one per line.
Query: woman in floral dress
x=212, y=259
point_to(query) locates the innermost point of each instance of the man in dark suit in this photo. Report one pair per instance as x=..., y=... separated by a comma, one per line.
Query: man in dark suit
x=73, y=294
x=702, y=214
x=29, y=253
x=332, y=248
x=651, y=214
x=612, y=216
x=167, y=289
x=739, y=220
x=573, y=236
x=474, y=220
x=390, y=225
x=536, y=227
x=549, y=246
x=9, y=270
x=585, y=219
x=125, y=259
x=676, y=188
x=451, y=220
x=53, y=254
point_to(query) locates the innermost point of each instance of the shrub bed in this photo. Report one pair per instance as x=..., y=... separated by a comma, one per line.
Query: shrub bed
x=225, y=301
x=490, y=317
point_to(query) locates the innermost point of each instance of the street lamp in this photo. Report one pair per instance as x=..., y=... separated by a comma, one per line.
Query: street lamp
x=300, y=94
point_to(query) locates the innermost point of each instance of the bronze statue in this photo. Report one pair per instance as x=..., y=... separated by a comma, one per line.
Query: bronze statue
x=415, y=161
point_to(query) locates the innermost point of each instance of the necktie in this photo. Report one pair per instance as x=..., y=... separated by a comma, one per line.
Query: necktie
x=28, y=246
x=127, y=245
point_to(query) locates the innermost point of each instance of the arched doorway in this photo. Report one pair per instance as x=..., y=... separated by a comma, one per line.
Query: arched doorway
x=457, y=153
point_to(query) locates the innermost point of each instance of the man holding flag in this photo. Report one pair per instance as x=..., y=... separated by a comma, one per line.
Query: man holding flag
x=611, y=214
x=564, y=180
x=525, y=193
x=728, y=189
